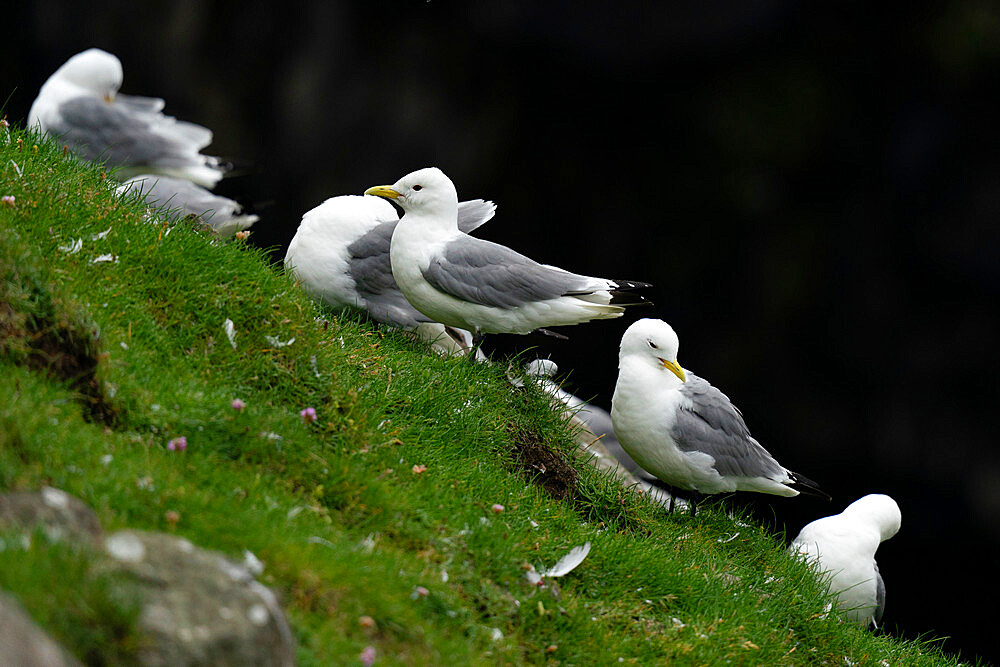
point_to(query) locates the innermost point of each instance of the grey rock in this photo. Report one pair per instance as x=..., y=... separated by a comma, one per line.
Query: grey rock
x=199, y=607
x=23, y=643
x=59, y=514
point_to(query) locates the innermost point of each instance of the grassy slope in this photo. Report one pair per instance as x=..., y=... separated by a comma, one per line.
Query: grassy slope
x=305, y=498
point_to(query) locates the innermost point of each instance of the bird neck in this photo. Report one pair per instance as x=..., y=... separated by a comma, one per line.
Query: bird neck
x=648, y=372
x=441, y=220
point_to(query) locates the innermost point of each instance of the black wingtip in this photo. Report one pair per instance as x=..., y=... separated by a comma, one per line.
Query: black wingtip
x=805, y=485
x=630, y=284
x=622, y=295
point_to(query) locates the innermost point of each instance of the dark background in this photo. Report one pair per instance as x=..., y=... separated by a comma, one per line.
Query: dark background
x=813, y=188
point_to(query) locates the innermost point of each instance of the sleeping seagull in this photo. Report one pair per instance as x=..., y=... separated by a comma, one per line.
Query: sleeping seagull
x=481, y=286
x=843, y=546
x=340, y=253
x=223, y=215
x=80, y=105
x=682, y=429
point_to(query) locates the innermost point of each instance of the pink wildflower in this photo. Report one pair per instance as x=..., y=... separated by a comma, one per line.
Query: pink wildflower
x=497, y=508
x=367, y=656
x=178, y=444
x=308, y=415
x=8, y=200
x=238, y=405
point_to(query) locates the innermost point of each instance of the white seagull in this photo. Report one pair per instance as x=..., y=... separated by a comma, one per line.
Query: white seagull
x=481, y=286
x=682, y=429
x=340, y=253
x=175, y=195
x=843, y=546
x=80, y=105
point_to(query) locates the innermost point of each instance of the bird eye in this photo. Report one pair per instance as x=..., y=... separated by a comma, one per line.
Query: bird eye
x=418, y=188
x=652, y=344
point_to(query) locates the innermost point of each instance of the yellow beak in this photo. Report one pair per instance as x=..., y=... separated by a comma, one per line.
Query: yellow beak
x=383, y=191
x=108, y=98
x=674, y=368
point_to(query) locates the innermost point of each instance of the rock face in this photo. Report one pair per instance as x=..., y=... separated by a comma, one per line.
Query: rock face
x=200, y=608
x=23, y=643
x=60, y=515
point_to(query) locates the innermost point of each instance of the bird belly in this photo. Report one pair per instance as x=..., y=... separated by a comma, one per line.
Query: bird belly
x=644, y=434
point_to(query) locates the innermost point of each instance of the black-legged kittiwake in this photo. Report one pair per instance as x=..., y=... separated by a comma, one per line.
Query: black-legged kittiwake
x=843, y=548
x=481, y=286
x=682, y=429
x=340, y=253
x=80, y=105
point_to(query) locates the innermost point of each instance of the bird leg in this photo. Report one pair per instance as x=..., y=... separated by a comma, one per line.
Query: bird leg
x=551, y=334
x=477, y=342
x=695, y=499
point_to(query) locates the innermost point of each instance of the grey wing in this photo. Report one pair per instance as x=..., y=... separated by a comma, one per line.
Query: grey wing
x=371, y=270
x=490, y=274
x=149, y=109
x=138, y=103
x=178, y=194
x=98, y=131
x=473, y=213
x=713, y=425
x=879, y=595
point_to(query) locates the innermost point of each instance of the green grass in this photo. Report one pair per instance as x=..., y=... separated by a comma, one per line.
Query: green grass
x=103, y=363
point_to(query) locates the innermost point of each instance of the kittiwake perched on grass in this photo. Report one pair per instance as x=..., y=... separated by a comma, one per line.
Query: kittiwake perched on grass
x=80, y=106
x=340, y=253
x=682, y=429
x=481, y=286
x=843, y=548
x=223, y=215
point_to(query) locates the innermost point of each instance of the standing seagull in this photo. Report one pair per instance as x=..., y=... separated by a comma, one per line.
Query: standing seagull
x=80, y=105
x=340, y=253
x=843, y=548
x=682, y=429
x=485, y=287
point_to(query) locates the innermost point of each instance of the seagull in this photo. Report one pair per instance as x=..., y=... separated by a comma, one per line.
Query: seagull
x=462, y=281
x=223, y=215
x=80, y=104
x=843, y=546
x=682, y=429
x=340, y=253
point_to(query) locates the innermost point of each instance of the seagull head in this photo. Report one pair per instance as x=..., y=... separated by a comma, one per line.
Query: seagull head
x=422, y=191
x=95, y=71
x=653, y=341
x=879, y=510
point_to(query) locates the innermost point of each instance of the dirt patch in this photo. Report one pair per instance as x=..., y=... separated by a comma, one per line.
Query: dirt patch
x=541, y=464
x=36, y=330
